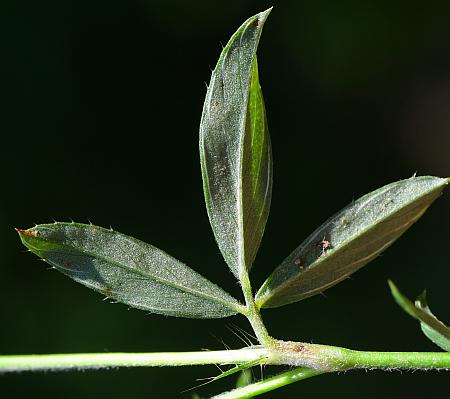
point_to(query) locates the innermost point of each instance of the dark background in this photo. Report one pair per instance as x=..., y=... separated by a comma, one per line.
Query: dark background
x=102, y=102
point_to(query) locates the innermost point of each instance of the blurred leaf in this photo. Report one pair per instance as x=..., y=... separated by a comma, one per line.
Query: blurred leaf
x=244, y=379
x=128, y=270
x=434, y=329
x=349, y=240
x=235, y=149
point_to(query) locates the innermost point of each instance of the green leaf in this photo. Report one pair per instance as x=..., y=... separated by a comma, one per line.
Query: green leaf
x=235, y=149
x=128, y=270
x=434, y=329
x=349, y=240
x=244, y=379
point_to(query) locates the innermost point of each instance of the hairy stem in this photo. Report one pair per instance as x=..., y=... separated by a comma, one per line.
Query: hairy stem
x=333, y=358
x=321, y=358
x=253, y=314
x=398, y=360
x=80, y=361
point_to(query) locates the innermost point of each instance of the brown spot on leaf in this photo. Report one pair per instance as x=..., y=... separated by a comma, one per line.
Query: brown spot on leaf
x=67, y=264
x=299, y=262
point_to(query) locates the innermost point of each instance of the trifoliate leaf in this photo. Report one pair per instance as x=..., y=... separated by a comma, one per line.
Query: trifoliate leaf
x=349, y=240
x=235, y=149
x=434, y=329
x=128, y=270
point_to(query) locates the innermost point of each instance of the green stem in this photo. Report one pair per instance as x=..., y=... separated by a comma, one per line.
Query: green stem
x=14, y=363
x=253, y=314
x=269, y=384
x=339, y=359
x=397, y=360
x=333, y=358
x=321, y=358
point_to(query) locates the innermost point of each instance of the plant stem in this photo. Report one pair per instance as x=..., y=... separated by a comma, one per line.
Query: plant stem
x=14, y=363
x=253, y=314
x=333, y=358
x=269, y=384
x=398, y=360
x=321, y=358
x=344, y=359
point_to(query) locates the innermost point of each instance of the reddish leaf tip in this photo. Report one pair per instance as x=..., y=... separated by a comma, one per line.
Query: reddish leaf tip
x=28, y=232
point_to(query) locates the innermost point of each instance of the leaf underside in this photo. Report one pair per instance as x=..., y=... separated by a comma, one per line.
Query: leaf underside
x=349, y=240
x=128, y=270
x=431, y=326
x=235, y=150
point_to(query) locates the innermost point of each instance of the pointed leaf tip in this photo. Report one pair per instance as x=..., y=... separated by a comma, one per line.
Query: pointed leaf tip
x=128, y=270
x=349, y=240
x=23, y=232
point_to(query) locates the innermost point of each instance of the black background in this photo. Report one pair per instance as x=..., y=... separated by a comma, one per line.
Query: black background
x=102, y=102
